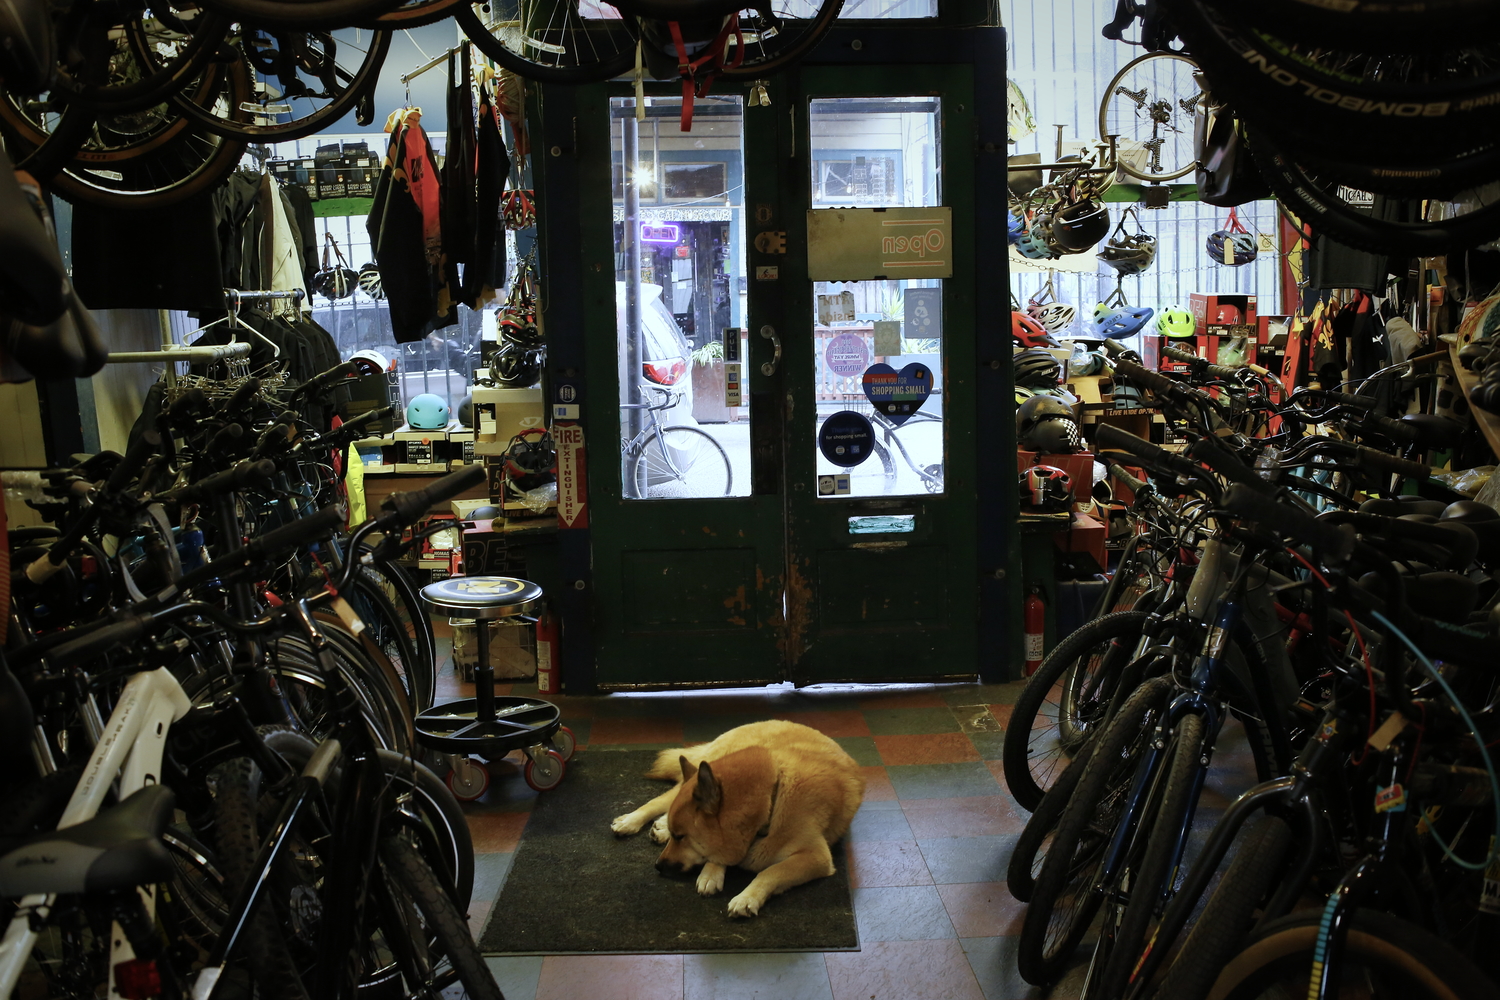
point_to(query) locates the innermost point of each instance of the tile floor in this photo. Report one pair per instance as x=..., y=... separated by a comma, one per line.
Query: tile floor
x=928, y=849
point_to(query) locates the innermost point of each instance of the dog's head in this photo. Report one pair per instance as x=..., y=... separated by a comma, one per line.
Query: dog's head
x=719, y=810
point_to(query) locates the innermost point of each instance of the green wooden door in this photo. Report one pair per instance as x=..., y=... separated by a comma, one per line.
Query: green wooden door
x=802, y=568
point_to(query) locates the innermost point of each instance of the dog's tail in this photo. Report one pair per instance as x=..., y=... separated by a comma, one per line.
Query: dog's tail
x=667, y=766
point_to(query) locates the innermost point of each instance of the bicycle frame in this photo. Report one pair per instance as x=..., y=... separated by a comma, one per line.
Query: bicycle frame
x=131, y=748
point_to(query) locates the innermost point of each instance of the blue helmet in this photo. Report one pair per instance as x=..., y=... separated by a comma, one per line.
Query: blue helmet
x=427, y=412
x=1124, y=321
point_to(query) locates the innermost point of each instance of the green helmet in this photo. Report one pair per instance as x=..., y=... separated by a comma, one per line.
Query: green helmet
x=1174, y=322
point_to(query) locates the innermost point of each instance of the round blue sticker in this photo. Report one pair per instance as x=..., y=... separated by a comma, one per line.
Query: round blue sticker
x=846, y=438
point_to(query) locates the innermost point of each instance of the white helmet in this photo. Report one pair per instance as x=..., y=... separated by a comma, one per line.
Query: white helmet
x=1054, y=316
x=370, y=362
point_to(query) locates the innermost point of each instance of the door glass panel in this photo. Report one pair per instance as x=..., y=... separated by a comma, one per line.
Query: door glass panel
x=881, y=340
x=679, y=285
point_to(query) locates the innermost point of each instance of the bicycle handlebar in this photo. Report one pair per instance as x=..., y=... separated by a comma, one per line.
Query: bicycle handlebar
x=1334, y=541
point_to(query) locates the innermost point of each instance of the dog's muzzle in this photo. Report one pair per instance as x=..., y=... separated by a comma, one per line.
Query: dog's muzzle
x=667, y=866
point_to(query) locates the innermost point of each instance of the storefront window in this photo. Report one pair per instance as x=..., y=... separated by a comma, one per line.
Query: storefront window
x=876, y=337
x=679, y=286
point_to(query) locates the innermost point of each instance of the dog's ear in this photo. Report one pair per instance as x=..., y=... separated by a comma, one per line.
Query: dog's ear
x=688, y=770
x=709, y=794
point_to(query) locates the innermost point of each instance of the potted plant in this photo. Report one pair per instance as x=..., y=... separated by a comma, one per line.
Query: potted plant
x=708, y=384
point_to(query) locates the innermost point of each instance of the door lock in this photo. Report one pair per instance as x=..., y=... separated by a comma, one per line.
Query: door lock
x=769, y=332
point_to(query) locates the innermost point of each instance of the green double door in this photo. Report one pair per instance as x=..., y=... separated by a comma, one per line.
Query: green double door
x=827, y=531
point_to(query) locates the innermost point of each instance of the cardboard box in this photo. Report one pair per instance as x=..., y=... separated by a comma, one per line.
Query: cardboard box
x=420, y=451
x=1223, y=315
x=487, y=553
x=1087, y=536
x=501, y=414
x=460, y=450
x=1272, y=330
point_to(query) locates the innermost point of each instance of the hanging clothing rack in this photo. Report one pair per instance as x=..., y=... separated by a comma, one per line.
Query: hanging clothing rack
x=432, y=63
x=192, y=355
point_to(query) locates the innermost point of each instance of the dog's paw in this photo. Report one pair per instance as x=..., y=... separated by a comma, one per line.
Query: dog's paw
x=744, y=905
x=711, y=879
x=659, y=834
x=626, y=825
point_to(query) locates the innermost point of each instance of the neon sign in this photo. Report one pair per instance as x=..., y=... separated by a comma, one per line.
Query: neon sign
x=661, y=233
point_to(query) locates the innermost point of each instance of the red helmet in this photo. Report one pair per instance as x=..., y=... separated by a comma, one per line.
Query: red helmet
x=1028, y=332
x=1045, y=488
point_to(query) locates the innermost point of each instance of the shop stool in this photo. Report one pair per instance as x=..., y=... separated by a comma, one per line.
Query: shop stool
x=485, y=726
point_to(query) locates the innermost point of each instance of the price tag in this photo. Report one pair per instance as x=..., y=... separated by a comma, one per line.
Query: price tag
x=1388, y=731
x=1265, y=242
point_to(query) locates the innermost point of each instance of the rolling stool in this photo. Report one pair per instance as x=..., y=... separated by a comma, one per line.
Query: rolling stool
x=486, y=726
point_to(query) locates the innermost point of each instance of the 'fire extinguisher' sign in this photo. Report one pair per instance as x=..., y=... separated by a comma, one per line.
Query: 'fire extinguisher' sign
x=572, y=494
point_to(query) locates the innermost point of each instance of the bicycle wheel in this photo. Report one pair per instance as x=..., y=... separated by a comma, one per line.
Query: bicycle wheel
x=1385, y=958
x=776, y=35
x=415, y=14
x=1154, y=879
x=1219, y=932
x=427, y=935
x=408, y=602
x=304, y=13
x=1150, y=105
x=1321, y=203
x=1410, y=111
x=1372, y=25
x=681, y=463
x=564, y=42
x=1064, y=701
x=386, y=626
x=1065, y=897
x=1031, y=846
x=303, y=82
x=115, y=80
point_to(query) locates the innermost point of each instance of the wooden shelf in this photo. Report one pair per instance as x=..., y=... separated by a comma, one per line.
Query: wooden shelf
x=1488, y=423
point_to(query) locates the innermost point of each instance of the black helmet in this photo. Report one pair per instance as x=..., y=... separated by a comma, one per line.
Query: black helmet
x=1036, y=368
x=517, y=367
x=1078, y=226
x=1046, y=424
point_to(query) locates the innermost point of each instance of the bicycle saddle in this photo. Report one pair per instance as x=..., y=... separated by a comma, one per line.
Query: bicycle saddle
x=1433, y=430
x=1440, y=594
x=114, y=850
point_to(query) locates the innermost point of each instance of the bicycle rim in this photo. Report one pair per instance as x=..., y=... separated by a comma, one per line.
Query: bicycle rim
x=681, y=463
x=1150, y=105
x=564, y=42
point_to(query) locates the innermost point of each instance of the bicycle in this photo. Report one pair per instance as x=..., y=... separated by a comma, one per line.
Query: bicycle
x=672, y=461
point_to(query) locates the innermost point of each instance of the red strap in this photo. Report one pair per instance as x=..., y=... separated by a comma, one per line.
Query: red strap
x=1235, y=225
x=713, y=57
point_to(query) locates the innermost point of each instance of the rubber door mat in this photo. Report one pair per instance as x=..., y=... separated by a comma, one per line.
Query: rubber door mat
x=575, y=888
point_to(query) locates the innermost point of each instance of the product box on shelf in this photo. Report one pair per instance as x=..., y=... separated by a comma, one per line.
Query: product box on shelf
x=1273, y=330
x=1223, y=315
x=501, y=414
x=420, y=451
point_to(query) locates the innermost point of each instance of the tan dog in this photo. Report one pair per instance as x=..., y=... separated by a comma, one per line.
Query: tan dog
x=768, y=797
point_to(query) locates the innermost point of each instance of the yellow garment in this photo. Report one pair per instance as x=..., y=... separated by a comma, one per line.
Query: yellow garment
x=354, y=486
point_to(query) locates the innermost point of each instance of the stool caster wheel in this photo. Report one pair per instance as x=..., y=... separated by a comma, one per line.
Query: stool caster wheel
x=468, y=780
x=544, y=768
x=564, y=742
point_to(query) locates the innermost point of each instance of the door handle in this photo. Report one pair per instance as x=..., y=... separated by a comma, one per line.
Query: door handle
x=769, y=332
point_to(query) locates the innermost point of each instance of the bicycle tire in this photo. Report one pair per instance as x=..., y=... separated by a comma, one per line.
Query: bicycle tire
x=361, y=82
x=603, y=67
x=409, y=872
x=1048, y=935
x=1328, y=214
x=1184, y=156
x=1035, y=839
x=1407, y=961
x=794, y=49
x=1417, y=124
x=409, y=607
x=416, y=14
x=1032, y=757
x=1155, y=876
x=303, y=13
x=384, y=624
x=1219, y=932
x=153, y=86
x=1371, y=25
x=699, y=469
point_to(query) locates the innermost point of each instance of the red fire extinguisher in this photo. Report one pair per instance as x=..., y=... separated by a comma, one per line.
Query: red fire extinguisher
x=546, y=654
x=1034, y=622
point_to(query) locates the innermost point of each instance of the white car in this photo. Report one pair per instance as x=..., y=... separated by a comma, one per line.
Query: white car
x=665, y=357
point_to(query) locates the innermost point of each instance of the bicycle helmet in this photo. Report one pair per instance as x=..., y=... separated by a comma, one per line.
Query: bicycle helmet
x=531, y=460
x=1037, y=243
x=1128, y=253
x=370, y=362
x=1047, y=425
x=1234, y=249
x=466, y=412
x=1023, y=394
x=1045, y=489
x=427, y=412
x=1127, y=397
x=369, y=281
x=517, y=367
x=1055, y=317
x=1028, y=332
x=1124, y=321
x=1175, y=322
x=1037, y=369
x=1078, y=226
x=1015, y=227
